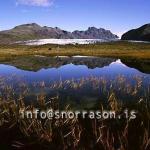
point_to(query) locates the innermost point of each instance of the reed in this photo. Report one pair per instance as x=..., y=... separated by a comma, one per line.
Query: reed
x=75, y=133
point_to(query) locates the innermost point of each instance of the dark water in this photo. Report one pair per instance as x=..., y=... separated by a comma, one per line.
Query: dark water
x=94, y=71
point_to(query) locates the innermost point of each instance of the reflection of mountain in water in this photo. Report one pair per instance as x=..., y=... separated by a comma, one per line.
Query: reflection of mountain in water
x=35, y=63
x=141, y=65
x=90, y=62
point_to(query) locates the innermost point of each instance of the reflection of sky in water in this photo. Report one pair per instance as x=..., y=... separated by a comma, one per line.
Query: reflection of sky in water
x=71, y=71
x=86, y=96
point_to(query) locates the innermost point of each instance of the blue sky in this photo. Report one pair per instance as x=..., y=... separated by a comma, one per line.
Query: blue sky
x=115, y=15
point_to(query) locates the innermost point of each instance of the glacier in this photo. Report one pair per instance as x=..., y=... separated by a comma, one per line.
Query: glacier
x=64, y=41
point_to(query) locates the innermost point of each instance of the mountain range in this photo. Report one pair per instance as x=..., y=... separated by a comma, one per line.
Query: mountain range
x=140, y=34
x=34, y=31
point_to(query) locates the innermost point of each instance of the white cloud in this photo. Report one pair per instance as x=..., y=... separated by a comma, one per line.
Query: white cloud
x=43, y=3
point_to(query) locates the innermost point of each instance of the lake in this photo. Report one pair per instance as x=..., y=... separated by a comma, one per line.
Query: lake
x=82, y=82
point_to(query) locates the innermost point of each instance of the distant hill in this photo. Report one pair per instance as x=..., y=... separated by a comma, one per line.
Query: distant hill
x=139, y=34
x=34, y=31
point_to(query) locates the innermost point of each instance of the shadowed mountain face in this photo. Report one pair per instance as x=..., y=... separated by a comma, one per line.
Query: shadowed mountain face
x=35, y=31
x=140, y=34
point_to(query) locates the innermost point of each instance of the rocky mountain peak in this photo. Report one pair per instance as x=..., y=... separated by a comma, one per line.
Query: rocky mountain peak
x=34, y=31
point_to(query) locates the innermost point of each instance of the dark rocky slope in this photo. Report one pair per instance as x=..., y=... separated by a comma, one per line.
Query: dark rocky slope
x=140, y=34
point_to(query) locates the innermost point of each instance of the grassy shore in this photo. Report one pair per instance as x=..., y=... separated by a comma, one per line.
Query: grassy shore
x=113, y=49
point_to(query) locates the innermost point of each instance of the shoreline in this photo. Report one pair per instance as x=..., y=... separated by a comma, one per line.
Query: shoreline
x=110, y=49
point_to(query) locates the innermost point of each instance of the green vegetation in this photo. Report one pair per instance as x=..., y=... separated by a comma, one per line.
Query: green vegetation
x=112, y=49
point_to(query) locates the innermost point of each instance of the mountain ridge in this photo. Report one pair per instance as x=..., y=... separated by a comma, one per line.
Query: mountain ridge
x=140, y=34
x=33, y=31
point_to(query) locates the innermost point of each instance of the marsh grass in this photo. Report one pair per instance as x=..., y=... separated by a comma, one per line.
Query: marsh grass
x=123, y=134
x=120, y=49
x=126, y=90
